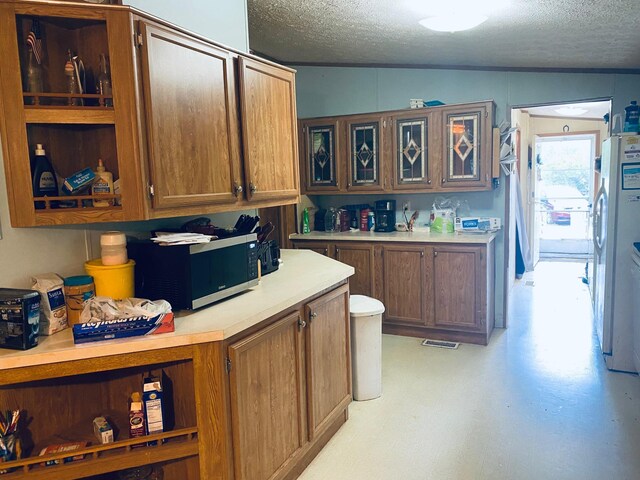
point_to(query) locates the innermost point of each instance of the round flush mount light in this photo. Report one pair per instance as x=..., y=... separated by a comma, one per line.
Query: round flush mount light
x=453, y=23
x=456, y=15
x=571, y=111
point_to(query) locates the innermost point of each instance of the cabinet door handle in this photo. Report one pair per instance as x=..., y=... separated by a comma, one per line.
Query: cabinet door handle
x=337, y=251
x=237, y=189
x=253, y=188
x=443, y=180
x=429, y=181
x=422, y=254
x=326, y=252
x=313, y=315
x=301, y=324
x=435, y=254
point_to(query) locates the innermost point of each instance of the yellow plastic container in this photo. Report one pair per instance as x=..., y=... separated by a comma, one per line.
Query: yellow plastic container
x=115, y=281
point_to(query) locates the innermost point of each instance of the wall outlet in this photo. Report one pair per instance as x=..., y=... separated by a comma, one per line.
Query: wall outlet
x=406, y=206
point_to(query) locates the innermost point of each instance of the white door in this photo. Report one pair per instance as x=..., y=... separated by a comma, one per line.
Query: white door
x=600, y=210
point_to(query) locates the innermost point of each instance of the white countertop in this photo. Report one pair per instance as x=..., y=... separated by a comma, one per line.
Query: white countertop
x=301, y=275
x=409, y=237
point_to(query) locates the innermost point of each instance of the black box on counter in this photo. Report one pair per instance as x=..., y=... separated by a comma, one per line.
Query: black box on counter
x=19, y=318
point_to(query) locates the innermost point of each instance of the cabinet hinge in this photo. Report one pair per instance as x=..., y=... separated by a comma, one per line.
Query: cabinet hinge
x=228, y=365
x=137, y=39
x=151, y=191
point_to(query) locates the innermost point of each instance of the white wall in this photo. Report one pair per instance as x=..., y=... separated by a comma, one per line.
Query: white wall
x=28, y=251
x=345, y=90
x=224, y=21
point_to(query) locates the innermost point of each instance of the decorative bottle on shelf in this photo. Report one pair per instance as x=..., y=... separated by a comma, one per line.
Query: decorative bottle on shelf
x=103, y=185
x=45, y=183
x=34, y=76
x=103, y=82
x=73, y=80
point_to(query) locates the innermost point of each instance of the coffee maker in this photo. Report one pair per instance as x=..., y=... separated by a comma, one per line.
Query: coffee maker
x=385, y=216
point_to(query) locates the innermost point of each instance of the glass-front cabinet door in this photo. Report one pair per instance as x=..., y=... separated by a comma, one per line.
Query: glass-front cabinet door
x=321, y=152
x=466, y=153
x=412, y=168
x=365, y=148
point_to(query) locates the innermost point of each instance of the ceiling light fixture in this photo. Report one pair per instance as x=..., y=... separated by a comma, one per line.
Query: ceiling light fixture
x=571, y=111
x=453, y=23
x=457, y=15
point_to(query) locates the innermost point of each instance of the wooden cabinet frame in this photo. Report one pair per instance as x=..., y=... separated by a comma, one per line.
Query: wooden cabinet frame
x=306, y=168
x=362, y=283
x=388, y=145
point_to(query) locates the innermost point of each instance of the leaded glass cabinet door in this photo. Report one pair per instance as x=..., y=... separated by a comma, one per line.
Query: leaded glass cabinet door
x=411, y=151
x=321, y=153
x=467, y=145
x=365, y=147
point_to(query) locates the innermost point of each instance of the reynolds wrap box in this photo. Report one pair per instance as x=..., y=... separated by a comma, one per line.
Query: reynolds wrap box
x=123, y=328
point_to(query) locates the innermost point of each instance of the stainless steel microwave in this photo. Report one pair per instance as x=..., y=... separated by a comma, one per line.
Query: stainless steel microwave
x=192, y=276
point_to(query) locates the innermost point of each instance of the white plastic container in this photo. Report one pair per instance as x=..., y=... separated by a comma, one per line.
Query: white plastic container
x=366, y=346
x=113, y=247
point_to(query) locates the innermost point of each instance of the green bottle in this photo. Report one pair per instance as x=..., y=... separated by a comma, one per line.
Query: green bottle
x=305, y=221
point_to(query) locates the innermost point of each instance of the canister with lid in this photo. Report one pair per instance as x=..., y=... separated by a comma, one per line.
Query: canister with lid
x=77, y=290
x=113, y=247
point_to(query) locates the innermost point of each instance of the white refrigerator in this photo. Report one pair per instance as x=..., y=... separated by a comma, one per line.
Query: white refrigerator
x=616, y=226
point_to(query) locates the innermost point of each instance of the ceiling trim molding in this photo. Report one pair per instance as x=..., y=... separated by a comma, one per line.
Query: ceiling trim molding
x=420, y=66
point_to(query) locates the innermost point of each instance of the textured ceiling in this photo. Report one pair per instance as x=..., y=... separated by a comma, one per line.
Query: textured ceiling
x=575, y=34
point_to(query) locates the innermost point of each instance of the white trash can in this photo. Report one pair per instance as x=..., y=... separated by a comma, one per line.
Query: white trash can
x=366, y=346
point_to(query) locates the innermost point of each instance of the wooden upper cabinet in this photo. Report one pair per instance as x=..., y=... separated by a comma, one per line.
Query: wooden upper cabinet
x=414, y=150
x=267, y=400
x=404, y=271
x=192, y=119
x=270, y=139
x=328, y=359
x=360, y=257
x=459, y=298
x=322, y=155
x=365, y=147
x=467, y=146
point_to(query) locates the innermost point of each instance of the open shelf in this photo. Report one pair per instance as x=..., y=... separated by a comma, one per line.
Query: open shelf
x=99, y=459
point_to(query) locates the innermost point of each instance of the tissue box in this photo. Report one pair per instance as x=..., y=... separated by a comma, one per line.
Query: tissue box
x=477, y=224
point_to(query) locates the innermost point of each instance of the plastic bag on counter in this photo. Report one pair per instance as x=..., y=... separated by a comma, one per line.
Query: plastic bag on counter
x=444, y=212
x=100, y=309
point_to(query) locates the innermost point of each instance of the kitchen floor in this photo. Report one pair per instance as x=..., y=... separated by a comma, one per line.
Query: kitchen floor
x=537, y=403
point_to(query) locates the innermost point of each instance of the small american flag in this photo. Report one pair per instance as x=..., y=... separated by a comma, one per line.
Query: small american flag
x=34, y=40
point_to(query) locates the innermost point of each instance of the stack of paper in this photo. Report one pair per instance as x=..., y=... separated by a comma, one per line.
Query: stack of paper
x=167, y=238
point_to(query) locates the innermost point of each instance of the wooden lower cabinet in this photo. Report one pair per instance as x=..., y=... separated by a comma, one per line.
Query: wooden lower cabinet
x=458, y=299
x=267, y=399
x=328, y=359
x=442, y=291
x=360, y=257
x=404, y=274
x=290, y=382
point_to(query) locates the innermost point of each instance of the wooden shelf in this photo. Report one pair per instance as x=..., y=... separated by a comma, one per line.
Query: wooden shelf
x=99, y=459
x=69, y=115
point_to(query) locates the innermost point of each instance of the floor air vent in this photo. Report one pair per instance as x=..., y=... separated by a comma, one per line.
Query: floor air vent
x=440, y=344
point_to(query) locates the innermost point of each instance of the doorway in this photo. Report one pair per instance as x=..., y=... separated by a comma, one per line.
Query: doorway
x=564, y=189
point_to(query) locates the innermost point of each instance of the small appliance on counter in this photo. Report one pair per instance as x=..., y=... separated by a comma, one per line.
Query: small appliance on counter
x=192, y=276
x=319, y=219
x=269, y=257
x=385, y=216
